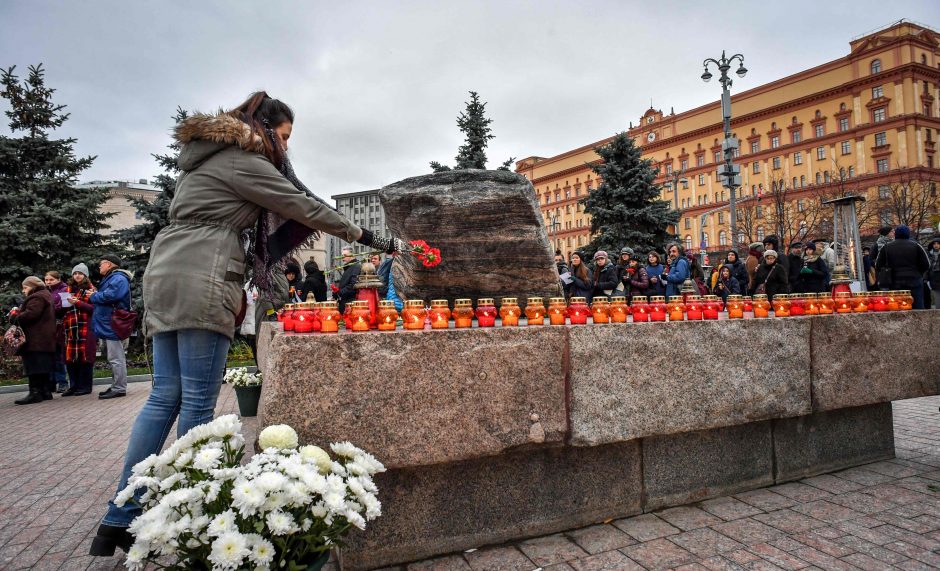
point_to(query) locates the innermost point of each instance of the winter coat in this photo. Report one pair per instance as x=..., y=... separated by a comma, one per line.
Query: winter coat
x=908, y=262
x=36, y=317
x=933, y=274
x=55, y=290
x=383, y=271
x=775, y=277
x=347, y=283
x=581, y=288
x=731, y=286
x=114, y=291
x=197, y=262
x=80, y=340
x=637, y=283
x=815, y=280
x=679, y=271
x=657, y=287
x=829, y=256
x=753, y=261
x=606, y=280
x=794, y=265
x=314, y=283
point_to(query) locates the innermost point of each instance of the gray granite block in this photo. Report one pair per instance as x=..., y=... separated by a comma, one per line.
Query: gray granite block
x=861, y=359
x=685, y=468
x=833, y=440
x=452, y=507
x=660, y=378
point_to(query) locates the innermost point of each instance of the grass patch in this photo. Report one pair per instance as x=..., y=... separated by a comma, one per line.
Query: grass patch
x=102, y=373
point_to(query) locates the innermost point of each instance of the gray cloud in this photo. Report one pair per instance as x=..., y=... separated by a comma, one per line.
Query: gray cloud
x=377, y=85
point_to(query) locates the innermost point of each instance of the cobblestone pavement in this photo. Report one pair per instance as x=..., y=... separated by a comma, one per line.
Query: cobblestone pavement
x=59, y=464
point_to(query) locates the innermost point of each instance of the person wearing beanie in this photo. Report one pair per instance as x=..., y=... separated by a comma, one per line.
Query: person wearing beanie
x=811, y=271
x=794, y=264
x=771, y=276
x=884, y=236
x=114, y=292
x=292, y=273
x=901, y=264
x=755, y=253
x=626, y=254
x=36, y=317
x=80, y=340
x=604, y=277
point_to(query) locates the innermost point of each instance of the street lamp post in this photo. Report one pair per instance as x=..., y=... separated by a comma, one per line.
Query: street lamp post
x=730, y=172
x=674, y=186
x=553, y=227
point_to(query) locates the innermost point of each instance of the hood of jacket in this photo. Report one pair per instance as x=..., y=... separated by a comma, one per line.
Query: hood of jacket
x=205, y=135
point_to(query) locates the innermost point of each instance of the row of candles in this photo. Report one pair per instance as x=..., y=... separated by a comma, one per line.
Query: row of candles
x=360, y=317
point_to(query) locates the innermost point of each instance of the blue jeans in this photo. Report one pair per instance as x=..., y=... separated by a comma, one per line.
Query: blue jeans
x=188, y=366
x=917, y=292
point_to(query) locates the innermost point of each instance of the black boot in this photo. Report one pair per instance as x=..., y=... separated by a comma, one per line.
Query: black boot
x=109, y=537
x=34, y=396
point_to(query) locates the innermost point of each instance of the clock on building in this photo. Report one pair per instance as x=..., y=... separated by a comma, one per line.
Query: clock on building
x=651, y=136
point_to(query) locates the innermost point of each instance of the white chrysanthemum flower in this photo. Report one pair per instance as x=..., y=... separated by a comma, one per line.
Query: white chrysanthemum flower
x=222, y=523
x=224, y=474
x=227, y=425
x=207, y=458
x=319, y=510
x=345, y=449
x=318, y=456
x=373, y=507
x=281, y=523
x=212, y=489
x=228, y=551
x=183, y=459
x=136, y=555
x=270, y=481
x=171, y=481
x=262, y=551
x=246, y=497
x=355, y=519
x=338, y=469
x=279, y=436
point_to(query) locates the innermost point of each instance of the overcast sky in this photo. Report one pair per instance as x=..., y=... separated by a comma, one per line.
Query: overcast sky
x=377, y=86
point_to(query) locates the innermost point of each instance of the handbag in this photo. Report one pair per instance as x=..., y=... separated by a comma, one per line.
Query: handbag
x=13, y=339
x=123, y=322
x=762, y=288
x=885, y=274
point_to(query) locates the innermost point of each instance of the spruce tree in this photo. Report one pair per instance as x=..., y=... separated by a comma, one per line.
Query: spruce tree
x=625, y=208
x=155, y=215
x=476, y=127
x=47, y=223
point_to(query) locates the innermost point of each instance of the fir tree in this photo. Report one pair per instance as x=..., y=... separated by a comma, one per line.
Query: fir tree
x=155, y=215
x=47, y=223
x=625, y=208
x=476, y=127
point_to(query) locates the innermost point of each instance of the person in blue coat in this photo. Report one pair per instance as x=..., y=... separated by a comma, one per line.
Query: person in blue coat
x=677, y=271
x=113, y=292
x=655, y=269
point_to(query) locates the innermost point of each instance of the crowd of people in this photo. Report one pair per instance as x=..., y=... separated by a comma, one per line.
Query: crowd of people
x=806, y=267
x=63, y=321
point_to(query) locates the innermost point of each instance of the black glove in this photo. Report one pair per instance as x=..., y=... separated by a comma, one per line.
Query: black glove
x=387, y=245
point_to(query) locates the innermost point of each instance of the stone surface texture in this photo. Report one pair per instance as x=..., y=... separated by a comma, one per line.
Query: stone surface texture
x=420, y=398
x=654, y=384
x=874, y=357
x=462, y=505
x=832, y=440
x=690, y=467
x=488, y=227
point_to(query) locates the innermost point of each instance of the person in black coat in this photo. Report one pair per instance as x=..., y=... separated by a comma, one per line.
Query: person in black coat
x=727, y=284
x=907, y=261
x=347, y=282
x=581, y=285
x=771, y=274
x=811, y=277
x=737, y=267
x=605, y=275
x=314, y=282
x=36, y=317
x=794, y=265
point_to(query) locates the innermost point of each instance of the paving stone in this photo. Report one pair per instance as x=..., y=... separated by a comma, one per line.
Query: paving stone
x=826, y=511
x=607, y=561
x=864, y=477
x=801, y=493
x=645, y=527
x=449, y=563
x=789, y=521
x=687, y=518
x=832, y=484
x=777, y=556
x=875, y=551
x=502, y=558
x=658, y=554
x=822, y=544
x=766, y=500
x=544, y=551
x=729, y=508
x=862, y=503
x=705, y=542
x=598, y=538
x=748, y=531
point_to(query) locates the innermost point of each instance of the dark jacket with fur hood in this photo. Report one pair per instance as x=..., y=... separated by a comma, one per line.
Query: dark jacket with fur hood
x=197, y=263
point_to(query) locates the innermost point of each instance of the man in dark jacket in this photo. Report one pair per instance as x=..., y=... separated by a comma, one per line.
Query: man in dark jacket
x=114, y=292
x=907, y=261
x=314, y=282
x=794, y=265
x=347, y=282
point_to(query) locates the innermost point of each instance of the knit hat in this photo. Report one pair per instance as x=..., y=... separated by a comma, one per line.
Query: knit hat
x=758, y=246
x=292, y=268
x=81, y=268
x=116, y=260
x=626, y=250
x=902, y=232
x=768, y=253
x=810, y=246
x=34, y=282
x=600, y=254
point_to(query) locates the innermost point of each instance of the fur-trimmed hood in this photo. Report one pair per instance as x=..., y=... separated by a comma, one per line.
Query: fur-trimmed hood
x=203, y=135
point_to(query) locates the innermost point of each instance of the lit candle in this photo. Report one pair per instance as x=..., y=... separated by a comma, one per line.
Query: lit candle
x=600, y=311
x=557, y=311
x=486, y=312
x=619, y=310
x=413, y=315
x=710, y=307
x=509, y=312
x=578, y=311
x=640, y=309
x=657, y=308
x=694, y=308
x=735, y=307
x=844, y=302
x=329, y=317
x=761, y=306
x=535, y=311
x=440, y=314
x=463, y=313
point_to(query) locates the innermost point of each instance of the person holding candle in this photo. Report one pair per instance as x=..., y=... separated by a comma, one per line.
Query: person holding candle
x=635, y=279
x=237, y=193
x=581, y=285
x=727, y=284
x=811, y=278
x=771, y=276
x=654, y=270
x=678, y=270
x=605, y=276
x=906, y=263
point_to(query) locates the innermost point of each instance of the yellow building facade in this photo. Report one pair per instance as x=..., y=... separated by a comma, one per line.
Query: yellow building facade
x=866, y=123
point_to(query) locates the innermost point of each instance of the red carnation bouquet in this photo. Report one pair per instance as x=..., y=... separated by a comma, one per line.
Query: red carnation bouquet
x=428, y=256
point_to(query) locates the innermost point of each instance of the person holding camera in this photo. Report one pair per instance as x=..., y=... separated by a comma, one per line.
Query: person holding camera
x=811, y=278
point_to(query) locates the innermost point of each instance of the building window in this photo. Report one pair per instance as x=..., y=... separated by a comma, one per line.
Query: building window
x=755, y=167
x=885, y=217
x=884, y=191
x=827, y=177
x=721, y=217
x=797, y=136
x=798, y=158
x=567, y=194
x=876, y=66
x=818, y=178
x=759, y=212
x=877, y=91
x=821, y=153
x=846, y=147
x=774, y=142
x=722, y=238
x=760, y=233
x=684, y=165
x=844, y=124
x=688, y=223
x=668, y=169
x=881, y=165
x=802, y=180
x=755, y=147
x=701, y=179
x=776, y=162
x=878, y=115
x=717, y=156
x=795, y=185
x=881, y=139
x=557, y=196
x=819, y=130
x=700, y=160
x=736, y=152
x=688, y=242
x=851, y=172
